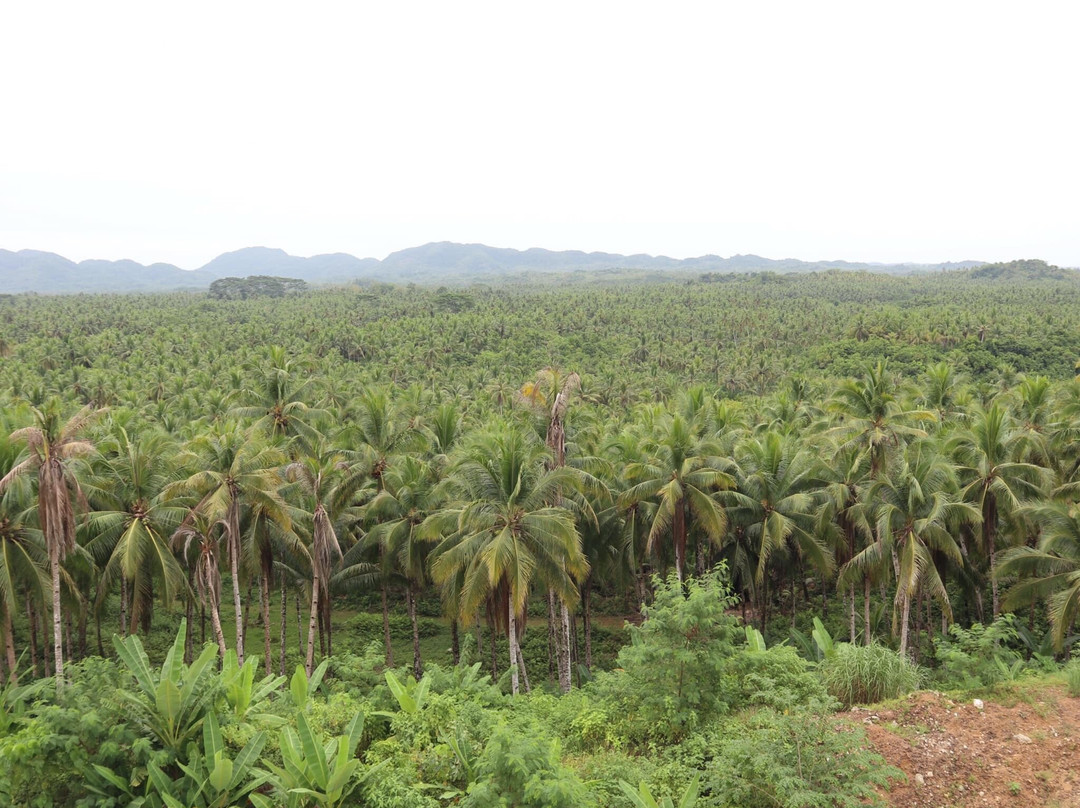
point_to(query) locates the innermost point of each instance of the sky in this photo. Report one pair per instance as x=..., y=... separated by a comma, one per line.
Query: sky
x=892, y=132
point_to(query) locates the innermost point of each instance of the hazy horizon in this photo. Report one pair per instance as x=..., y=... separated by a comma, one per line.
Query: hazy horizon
x=837, y=131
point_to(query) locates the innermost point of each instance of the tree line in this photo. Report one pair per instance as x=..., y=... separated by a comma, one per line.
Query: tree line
x=952, y=500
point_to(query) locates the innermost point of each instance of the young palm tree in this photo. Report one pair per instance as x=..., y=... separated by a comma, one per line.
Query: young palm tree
x=505, y=533
x=277, y=402
x=237, y=470
x=680, y=474
x=995, y=480
x=53, y=444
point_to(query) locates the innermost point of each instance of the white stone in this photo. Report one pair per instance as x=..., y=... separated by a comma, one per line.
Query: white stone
x=978, y=704
x=1019, y=738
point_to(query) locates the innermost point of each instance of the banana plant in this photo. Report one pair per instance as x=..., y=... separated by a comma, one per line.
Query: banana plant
x=171, y=703
x=410, y=696
x=242, y=694
x=313, y=775
x=755, y=642
x=211, y=779
x=641, y=797
x=826, y=647
x=302, y=687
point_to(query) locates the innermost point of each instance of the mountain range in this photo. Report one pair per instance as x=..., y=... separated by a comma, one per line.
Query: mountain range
x=438, y=262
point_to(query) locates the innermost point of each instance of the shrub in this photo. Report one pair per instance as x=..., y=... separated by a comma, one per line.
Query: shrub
x=979, y=656
x=775, y=677
x=794, y=760
x=865, y=674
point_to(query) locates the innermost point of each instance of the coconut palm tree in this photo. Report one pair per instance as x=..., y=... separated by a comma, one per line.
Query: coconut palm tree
x=680, y=475
x=128, y=532
x=277, y=400
x=1052, y=569
x=236, y=470
x=917, y=508
x=410, y=494
x=53, y=444
x=23, y=559
x=327, y=484
x=201, y=537
x=994, y=479
x=504, y=532
x=774, y=501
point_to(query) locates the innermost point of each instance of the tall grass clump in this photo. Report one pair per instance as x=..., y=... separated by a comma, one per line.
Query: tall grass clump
x=1072, y=677
x=865, y=674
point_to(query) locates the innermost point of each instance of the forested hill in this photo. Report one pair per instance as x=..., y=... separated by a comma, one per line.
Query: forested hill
x=442, y=262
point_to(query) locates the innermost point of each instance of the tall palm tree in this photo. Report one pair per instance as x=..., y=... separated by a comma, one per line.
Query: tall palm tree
x=774, y=501
x=277, y=400
x=873, y=416
x=53, y=444
x=1051, y=570
x=681, y=475
x=236, y=470
x=410, y=494
x=131, y=523
x=504, y=533
x=23, y=559
x=994, y=478
x=328, y=485
x=918, y=507
x=203, y=536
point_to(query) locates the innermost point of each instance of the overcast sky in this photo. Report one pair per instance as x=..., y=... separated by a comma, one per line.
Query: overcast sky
x=865, y=131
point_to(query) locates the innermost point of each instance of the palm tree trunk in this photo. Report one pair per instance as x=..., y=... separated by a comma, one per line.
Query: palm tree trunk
x=989, y=515
x=552, y=651
x=284, y=626
x=410, y=600
x=69, y=629
x=58, y=631
x=564, y=643
x=524, y=673
x=678, y=529
x=264, y=603
x=866, y=610
x=494, y=657
x=455, y=642
x=234, y=569
x=851, y=614
x=386, y=630
x=189, y=633
x=31, y=617
x=123, y=604
x=512, y=632
x=309, y=663
x=586, y=606
x=299, y=624
x=905, y=617
x=325, y=606
x=215, y=623
x=9, y=647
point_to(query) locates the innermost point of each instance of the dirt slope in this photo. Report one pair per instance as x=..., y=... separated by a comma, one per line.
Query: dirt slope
x=956, y=755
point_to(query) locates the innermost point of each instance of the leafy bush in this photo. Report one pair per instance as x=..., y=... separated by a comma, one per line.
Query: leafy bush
x=518, y=771
x=674, y=673
x=979, y=656
x=775, y=677
x=865, y=674
x=368, y=626
x=1072, y=677
x=795, y=760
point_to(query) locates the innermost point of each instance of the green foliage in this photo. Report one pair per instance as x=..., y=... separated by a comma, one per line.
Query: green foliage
x=1072, y=678
x=312, y=774
x=867, y=674
x=302, y=688
x=799, y=759
x=979, y=656
x=775, y=678
x=517, y=771
x=242, y=695
x=172, y=702
x=254, y=286
x=672, y=676
x=642, y=797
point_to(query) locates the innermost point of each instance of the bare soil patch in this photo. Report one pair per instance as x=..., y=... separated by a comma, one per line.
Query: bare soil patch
x=1022, y=751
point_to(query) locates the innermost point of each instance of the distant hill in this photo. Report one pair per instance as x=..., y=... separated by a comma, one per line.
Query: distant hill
x=439, y=262
x=1029, y=269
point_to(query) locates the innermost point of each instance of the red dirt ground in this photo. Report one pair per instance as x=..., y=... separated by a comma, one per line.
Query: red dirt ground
x=971, y=758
